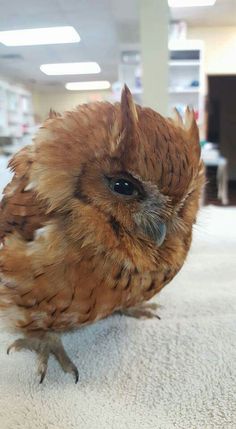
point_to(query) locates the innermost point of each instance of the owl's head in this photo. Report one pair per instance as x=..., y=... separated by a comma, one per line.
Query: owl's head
x=118, y=171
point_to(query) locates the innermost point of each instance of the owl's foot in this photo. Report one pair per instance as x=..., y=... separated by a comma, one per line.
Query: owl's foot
x=144, y=310
x=44, y=345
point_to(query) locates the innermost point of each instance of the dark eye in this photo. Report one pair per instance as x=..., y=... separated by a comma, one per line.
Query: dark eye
x=123, y=187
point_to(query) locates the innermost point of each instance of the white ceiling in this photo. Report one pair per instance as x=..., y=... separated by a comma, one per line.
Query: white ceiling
x=93, y=20
x=102, y=24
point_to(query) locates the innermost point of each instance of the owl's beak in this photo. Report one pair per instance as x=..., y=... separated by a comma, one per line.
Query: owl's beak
x=156, y=231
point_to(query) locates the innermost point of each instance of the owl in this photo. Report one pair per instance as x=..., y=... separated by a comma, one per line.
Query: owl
x=97, y=219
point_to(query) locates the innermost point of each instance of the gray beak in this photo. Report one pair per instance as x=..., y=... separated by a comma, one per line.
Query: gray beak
x=156, y=231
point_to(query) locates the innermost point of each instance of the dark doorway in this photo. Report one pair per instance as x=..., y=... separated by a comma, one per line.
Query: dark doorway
x=221, y=128
x=222, y=117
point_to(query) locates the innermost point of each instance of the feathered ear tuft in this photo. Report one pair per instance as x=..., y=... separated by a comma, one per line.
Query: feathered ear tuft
x=52, y=114
x=129, y=116
x=189, y=118
x=177, y=118
x=192, y=131
x=128, y=125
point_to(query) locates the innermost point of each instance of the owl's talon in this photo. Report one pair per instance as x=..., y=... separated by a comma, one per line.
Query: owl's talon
x=42, y=377
x=17, y=345
x=76, y=375
x=43, y=346
x=157, y=317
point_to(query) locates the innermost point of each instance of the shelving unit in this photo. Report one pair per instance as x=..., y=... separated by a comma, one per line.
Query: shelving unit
x=186, y=77
x=16, y=112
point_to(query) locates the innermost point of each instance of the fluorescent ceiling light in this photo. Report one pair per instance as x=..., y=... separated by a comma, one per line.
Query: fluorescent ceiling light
x=70, y=68
x=88, y=86
x=190, y=3
x=39, y=36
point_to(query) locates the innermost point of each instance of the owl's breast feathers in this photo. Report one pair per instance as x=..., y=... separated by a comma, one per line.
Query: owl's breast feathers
x=50, y=288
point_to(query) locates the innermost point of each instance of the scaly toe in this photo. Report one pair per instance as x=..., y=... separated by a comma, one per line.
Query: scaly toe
x=42, y=365
x=144, y=310
x=65, y=362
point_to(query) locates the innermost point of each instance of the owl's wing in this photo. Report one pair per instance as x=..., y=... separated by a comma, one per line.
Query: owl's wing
x=19, y=209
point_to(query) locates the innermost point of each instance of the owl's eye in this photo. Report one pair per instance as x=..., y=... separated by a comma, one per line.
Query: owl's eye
x=123, y=187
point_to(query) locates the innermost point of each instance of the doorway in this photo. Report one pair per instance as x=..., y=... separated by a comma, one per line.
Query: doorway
x=221, y=122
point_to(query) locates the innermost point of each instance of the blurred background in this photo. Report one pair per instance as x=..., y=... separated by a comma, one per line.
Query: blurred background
x=62, y=53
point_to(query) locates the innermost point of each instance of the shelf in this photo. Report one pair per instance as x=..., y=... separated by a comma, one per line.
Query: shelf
x=171, y=90
x=184, y=90
x=137, y=91
x=186, y=45
x=184, y=63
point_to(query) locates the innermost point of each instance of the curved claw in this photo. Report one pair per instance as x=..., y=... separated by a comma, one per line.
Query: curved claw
x=42, y=377
x=9, y=349
x=158, y=317
x=76, y=375
x=17, y=345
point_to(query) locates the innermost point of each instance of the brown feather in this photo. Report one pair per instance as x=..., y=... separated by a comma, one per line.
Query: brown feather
x=19, y=209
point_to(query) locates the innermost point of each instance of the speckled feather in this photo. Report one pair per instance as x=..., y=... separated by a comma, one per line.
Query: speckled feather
x=72, y=251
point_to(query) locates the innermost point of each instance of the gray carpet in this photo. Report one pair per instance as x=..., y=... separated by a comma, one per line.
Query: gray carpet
x=179, y=372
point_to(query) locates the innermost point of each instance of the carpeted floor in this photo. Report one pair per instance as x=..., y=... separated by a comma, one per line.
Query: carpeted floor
x=179, y=372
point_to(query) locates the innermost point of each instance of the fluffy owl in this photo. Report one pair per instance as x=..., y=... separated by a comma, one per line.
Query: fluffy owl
x=97, y=219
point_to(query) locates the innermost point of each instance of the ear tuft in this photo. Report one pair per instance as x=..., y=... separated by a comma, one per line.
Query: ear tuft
x=177, y=118
x=189, y=118
x=52, y=114
x=192, y=131
x=128, y=109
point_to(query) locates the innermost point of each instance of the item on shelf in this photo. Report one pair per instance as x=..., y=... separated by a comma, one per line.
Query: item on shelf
x=194, y=83
x=177, y=30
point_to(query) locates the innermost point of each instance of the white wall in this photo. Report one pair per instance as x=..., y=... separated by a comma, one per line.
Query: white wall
x=63, y=100
x=220, y=48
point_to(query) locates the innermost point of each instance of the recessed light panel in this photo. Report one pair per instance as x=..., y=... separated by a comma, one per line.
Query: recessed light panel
x=39, y=36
